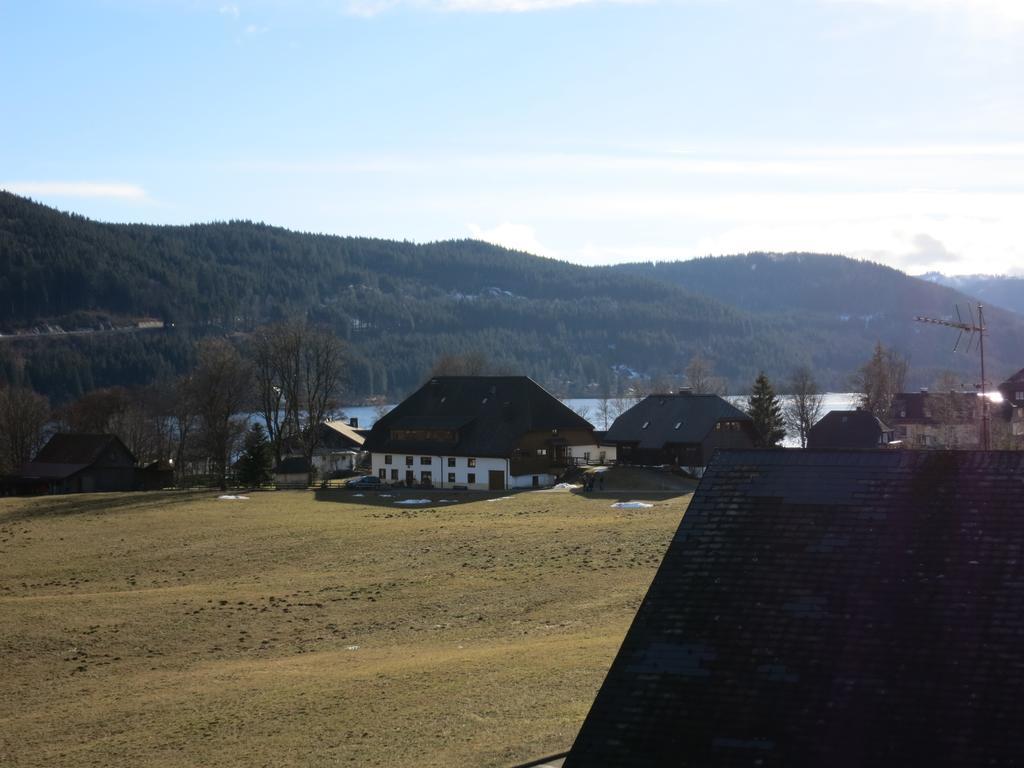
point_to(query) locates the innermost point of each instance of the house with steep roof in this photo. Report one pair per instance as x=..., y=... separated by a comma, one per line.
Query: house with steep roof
x=849, y=429
x=80, y=463
x=1012, y=389
x=479, y=432
x=680, y=429
x=937, y=419
x=828, y=608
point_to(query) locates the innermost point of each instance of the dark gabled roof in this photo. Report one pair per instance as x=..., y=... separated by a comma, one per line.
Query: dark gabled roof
x=67, y=453
x=828, y=608
x=696, y=415
x=292, y=465
x=846, y=429
x=488, y=413
x=1017, y=378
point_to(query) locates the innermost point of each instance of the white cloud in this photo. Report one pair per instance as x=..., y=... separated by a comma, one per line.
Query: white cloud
x=518, y=237
x=230, y=10
x=982, y=10
x=75, y=189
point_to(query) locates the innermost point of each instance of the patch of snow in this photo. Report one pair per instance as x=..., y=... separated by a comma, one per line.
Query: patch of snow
x=413, y=501
x=231, y=497
x=385, y=495
x=563, y=487
x=502, y=498
x=358, y=495
x=351, y=647
x=631, y=505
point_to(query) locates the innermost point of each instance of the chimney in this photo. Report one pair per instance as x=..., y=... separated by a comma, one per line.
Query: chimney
x=354, y=422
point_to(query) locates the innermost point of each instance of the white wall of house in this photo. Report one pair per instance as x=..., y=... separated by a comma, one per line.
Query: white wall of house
x=327, y=463
x=592, y=454
x=472, y=472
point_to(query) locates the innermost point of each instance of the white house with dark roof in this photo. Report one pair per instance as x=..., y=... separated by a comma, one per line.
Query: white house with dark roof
x=479, y=433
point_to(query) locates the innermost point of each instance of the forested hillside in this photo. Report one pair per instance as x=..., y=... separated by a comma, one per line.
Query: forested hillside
x=401, y=306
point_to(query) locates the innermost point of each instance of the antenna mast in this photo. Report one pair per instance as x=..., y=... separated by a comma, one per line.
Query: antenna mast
x=970, y=329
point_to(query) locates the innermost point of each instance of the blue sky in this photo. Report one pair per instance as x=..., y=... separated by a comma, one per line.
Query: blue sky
x=594, y=132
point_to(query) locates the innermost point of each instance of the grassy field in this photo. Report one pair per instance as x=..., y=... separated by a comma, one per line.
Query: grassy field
x=176, y=629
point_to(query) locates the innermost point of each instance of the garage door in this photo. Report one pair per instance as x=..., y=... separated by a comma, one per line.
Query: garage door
x=496, y=480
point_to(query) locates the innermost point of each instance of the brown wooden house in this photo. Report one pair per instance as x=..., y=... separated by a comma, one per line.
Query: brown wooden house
x=681, y=429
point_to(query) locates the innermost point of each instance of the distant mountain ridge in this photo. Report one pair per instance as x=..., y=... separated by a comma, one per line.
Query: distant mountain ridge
x=1004, y=291
x=402, y=305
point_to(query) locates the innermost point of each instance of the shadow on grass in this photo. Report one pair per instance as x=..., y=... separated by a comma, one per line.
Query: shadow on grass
x=393, y=497
x=96, y=503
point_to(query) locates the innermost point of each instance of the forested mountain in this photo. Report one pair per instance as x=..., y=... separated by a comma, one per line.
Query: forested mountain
x=837, y=306
x=998, y=290
x=401, y=306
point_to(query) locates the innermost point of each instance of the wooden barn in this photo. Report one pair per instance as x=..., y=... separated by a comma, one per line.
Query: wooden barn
x=80, y=463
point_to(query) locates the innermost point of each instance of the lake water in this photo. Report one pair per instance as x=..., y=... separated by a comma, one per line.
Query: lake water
x=590, y=407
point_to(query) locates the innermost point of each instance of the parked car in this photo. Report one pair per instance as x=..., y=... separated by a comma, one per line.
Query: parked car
x=365, y=482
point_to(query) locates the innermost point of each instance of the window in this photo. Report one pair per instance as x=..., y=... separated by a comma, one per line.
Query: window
x=451, y=461
x=451, y=477
x=542, y=451
x=646, y=425
x=394, y=475
x=387, y=458
x=586, y=456
x=425, y=460
x=425, y=476
x=382, y=473
x=470, y=478
x=1018, y=395
x=678, y=425
x=408, y=461
x=470, y=463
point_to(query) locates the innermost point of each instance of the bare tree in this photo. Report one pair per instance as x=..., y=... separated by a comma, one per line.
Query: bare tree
x=277, y=363
x=700, y=377
x=322, y=369
x=880, y=379
x=183, y=420
x=804, y=407
x=474, y=363
x=24, y=415
x=220, y=387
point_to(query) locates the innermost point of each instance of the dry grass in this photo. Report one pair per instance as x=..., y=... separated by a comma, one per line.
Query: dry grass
x=177, y=629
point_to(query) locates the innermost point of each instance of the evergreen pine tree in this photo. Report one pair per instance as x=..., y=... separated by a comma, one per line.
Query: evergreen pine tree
x=254, y=464
x=765, y=409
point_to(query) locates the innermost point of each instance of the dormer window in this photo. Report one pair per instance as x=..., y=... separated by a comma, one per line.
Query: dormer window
x=646, y=425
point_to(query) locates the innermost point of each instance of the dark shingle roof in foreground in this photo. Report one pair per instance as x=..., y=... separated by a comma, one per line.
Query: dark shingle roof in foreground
x=829, y=608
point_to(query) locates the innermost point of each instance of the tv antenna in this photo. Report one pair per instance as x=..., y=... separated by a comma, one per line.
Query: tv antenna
x=970, y=328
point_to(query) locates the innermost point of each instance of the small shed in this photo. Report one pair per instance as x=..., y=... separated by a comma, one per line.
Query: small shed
x=292, y=472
